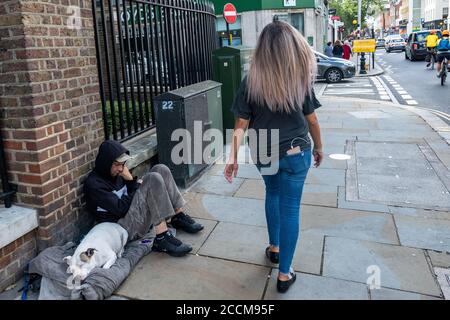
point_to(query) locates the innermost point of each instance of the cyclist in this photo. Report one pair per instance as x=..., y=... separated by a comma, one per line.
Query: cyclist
x=443, y=50
x=431, y=43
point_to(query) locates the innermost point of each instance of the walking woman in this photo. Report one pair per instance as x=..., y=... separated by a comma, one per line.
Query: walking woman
x=338, y=50
x=278, y=95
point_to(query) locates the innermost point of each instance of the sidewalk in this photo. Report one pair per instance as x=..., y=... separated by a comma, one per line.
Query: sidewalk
x=384, y=214
x=378, y=70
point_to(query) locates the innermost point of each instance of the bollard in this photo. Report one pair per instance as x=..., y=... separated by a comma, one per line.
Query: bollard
x=363, y=64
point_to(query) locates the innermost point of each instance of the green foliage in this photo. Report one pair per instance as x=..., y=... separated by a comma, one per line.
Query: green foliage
x=348, y=11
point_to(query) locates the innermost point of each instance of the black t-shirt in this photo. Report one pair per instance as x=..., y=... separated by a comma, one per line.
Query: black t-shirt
x=293, y=128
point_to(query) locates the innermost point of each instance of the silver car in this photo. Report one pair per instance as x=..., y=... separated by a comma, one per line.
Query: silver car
x=334, y=69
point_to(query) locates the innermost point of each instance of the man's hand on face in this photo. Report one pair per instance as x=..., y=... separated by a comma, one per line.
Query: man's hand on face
x=126, y=174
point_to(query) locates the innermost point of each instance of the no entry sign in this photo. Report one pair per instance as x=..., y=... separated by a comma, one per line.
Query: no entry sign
x=230, y=13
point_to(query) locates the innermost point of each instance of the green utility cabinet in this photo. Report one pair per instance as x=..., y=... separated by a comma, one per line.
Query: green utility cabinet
x=197, y=106
x=231, y=65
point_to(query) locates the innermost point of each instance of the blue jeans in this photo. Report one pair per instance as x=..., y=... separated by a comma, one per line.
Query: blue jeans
x=283, y=195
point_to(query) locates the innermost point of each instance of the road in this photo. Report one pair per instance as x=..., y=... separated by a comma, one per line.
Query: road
x=404, y=82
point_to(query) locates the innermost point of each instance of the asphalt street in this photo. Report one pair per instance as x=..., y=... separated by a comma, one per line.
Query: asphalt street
x=411, y=79
x=404, y=82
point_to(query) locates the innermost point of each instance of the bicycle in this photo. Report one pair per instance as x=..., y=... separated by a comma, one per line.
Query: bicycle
x=444, y=71
x=432, y=52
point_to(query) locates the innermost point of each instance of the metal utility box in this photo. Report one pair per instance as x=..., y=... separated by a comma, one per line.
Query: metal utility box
x=231, y=65
x=183, y=116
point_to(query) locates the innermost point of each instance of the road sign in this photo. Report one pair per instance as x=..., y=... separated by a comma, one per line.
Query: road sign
x=367, y=45
x=332, y=12
x=230, y=13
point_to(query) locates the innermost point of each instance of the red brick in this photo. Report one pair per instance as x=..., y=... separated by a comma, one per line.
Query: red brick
x=31, y=179
x=29, y=236
x=8, y=249
x=32, y=54
x=13, y=145
x=4, y=261
x=72, y=73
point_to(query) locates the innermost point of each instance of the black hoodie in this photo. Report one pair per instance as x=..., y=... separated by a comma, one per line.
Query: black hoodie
x=108, y=198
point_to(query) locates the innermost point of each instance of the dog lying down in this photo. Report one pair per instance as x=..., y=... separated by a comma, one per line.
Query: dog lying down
x=100, y=248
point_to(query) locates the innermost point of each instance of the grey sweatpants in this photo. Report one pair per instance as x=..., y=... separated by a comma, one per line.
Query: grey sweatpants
x=154, y=201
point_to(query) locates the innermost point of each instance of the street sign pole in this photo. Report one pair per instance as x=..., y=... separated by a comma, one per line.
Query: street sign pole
x=229, y=35
x=230, y=16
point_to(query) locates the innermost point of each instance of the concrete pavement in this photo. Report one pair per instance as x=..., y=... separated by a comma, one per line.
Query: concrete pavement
x=381, y=217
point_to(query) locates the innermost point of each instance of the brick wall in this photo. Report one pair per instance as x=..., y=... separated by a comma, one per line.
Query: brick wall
x=14, y=257
x=51, y=119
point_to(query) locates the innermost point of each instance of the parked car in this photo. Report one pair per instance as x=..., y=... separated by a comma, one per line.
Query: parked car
x=395, y=43
x=334, y=69
x=381, y=43
x=416, y=48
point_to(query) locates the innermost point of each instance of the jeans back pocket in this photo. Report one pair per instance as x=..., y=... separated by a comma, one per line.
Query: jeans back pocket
x=299, y=162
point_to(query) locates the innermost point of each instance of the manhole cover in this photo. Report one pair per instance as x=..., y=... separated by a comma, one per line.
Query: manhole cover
x=404, y=174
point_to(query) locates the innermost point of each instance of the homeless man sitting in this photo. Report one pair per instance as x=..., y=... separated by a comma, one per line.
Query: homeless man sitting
x=114, y=195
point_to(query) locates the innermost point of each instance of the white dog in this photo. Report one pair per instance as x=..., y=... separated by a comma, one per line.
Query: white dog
x=100, y=248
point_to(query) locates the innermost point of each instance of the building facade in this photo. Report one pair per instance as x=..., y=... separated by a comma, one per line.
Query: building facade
x=310, y=17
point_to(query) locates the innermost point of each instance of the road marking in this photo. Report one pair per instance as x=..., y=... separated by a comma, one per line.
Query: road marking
x=391, y=95
x=402, y=92
x=412, y=102
x=406, y=97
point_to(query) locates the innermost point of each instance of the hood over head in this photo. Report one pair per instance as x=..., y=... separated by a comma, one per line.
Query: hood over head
x=109, y=151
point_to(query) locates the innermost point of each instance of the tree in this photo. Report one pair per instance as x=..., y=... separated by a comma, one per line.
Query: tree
x=348, y=11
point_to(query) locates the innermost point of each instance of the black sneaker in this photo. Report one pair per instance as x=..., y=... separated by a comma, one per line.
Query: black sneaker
x=186, y=223
x=171, y=245
x=283, y=286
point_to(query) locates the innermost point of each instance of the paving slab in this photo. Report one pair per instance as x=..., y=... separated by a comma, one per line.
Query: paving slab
x=253, y=189
x=405, y=191
x=329, y=177
x=320, y=195
x=400, y=268
x=387, y=150
x=424, y=233
x=311, y=287
x=247, y=244
x=419, y=168
x=217, y=185
x=329, y=163
x=161, y=277
x=343, y=203
x=246, y=171
x=361, y=225
x=389, y=294
x=197, y=240
x=420, y=213
x=439, y=259
x=397, y=135
x=228, y=209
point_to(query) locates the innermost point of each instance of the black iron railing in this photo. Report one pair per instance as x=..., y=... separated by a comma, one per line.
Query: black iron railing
x=8, y=190
x=145, y=48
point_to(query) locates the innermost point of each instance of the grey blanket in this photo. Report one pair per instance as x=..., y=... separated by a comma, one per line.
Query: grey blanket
x=100, y=284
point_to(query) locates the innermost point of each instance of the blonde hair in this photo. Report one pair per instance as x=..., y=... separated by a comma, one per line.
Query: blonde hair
x=283, y=69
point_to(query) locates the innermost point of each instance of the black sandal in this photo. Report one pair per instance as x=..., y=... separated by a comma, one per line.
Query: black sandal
x=274, y=257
